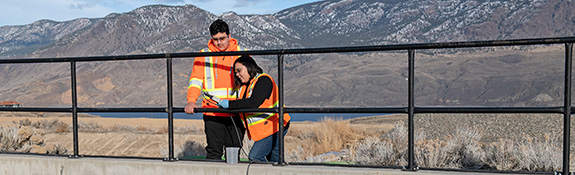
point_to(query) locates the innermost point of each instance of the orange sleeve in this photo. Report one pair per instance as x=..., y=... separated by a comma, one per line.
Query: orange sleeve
x=196, y=81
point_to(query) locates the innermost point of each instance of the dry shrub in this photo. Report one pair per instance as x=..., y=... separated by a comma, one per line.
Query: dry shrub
x=25, y=122
x=49, y=125
x=90, y=127
x=298, y=155
x=163, y=130
x=56, y=148
x=333, y=135
x=390, y=149
x=462, y=150
x=121, y=128
x=186, y=130
x=330, y=140
x=26, y=139
x=143, y=129
x=528, y=154
x=62, y=128
x=302, y=133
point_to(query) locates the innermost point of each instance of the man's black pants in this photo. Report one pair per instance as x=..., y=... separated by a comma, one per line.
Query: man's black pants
x=222, y=132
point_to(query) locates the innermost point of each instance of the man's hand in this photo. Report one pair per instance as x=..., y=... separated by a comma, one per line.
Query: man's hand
x=189, y=109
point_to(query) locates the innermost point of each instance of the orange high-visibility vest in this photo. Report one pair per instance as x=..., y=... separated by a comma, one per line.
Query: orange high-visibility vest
x=214, y=75
x=262, y=125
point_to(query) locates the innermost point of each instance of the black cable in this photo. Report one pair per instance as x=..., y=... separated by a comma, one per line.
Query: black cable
x=241, y=145
x=248, y=170
x=251, y=162
x=236, y=128
x=239, y=137
x=237, y=132
x=241, y=142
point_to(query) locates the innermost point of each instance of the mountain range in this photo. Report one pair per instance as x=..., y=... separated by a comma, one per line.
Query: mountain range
x=359, y=79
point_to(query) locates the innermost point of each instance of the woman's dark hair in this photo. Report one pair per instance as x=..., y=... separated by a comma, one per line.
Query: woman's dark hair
x=219, y=26
x=251, y=66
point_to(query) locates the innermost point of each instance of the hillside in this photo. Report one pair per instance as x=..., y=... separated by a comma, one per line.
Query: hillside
x=492, y=76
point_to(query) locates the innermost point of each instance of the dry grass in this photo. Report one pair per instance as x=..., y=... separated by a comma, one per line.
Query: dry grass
x=364, y=141
x=382, y=151
x=27, y=139
x=139, y=137
x=529, y=154
x=338, y=133
x=463, y=150
x=522, y=147
x=328, y=135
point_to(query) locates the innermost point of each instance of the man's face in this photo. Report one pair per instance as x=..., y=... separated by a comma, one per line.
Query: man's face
x=221, y=41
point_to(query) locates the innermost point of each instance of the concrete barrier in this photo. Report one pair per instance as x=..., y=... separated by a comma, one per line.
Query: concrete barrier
x=16, y=164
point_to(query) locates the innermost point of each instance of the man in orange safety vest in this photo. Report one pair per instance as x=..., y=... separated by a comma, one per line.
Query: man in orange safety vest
x=214, y=75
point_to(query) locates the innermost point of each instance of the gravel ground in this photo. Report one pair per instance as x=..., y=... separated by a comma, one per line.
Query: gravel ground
x=492, y=127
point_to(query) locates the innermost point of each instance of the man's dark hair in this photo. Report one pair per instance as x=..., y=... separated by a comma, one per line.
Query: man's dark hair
x=219, y=26
x=251, y=66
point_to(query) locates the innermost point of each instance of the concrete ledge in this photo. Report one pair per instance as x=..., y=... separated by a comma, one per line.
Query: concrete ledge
x=12, y=164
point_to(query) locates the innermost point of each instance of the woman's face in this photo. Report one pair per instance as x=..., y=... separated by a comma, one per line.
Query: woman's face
x=242, y=72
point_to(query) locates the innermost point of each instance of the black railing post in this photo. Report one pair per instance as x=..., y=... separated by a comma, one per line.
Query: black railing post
x=281, y=107
x=410, y=110
x=74, y=108
x=567, y=107
x=170, y=110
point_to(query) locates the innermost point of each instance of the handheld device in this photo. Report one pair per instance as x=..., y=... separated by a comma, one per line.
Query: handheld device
x=216, y=99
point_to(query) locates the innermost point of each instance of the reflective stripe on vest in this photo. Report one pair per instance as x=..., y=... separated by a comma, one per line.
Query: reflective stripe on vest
x=261, y=125
x=195, y=82
x=210, y=75
x=255, y=118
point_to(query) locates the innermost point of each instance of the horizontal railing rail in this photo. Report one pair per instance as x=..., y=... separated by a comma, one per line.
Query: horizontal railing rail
x=410, y=109
x=445, y=45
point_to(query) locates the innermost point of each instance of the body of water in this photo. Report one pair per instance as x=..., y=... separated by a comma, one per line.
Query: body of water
x=295, y=116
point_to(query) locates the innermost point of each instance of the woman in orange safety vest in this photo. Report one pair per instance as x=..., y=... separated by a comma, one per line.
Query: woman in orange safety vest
x=257, y=90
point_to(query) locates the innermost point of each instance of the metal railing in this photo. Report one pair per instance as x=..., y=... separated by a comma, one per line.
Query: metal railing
x=410, y=109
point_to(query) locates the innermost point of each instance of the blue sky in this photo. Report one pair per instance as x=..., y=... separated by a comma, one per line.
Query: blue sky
x=21, y=12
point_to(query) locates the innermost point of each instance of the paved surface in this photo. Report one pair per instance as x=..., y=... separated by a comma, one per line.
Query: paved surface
x=15, y=164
